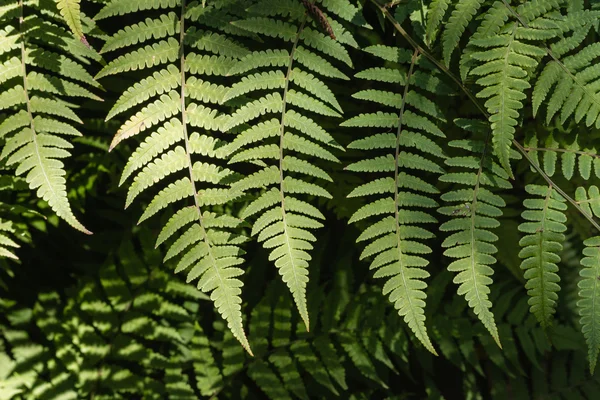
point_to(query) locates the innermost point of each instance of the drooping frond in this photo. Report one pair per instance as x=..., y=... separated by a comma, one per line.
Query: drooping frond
x=589, y=298
x=435, y=17
x=505, y=59
x=285, y=91
x=40, y=88
x=70, y=11
x=402, y=198
x=541, y=247
x=474, y=209
x=183, y=150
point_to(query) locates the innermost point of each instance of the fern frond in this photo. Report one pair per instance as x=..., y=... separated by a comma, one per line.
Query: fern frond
x=7, y=244
x=475, y=211
x=70, y=10
x=574, y=154
x=39, y=101
x=397, y=254
x=284, y=220
x=434, y=18
x=572, y=85
x=462, y=14
x=589, y=298
x=171, y=99
x=540, y=249
x=505, y=61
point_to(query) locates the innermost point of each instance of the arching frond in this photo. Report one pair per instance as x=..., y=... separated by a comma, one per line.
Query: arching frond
x=40, y=95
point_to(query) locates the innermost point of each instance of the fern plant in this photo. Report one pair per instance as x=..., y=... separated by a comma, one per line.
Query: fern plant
x=456, y=140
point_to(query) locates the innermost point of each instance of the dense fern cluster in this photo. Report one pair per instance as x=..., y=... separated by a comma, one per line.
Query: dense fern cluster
x=452, y=144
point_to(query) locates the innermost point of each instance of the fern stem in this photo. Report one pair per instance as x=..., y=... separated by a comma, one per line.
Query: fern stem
x=288, y=75
x=472, y=97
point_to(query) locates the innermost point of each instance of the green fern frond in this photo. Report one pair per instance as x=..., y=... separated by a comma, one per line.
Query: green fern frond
x=589, y=200
x=70, y=10
x=391, y=238
x=541, y=248
x=7, y=244
x=475, y=211
x=572, y=87
x=284, y=220
x=461, y=16
x=589, y=298
x=574, y=154
x=505, y=61
x=39, y=88
x=171, y=100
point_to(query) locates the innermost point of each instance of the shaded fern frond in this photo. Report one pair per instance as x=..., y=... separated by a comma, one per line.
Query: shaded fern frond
x=41, y=87
x=395, y=236
x=505, y=61
x=461, y=16
x=7, y=242
x=183, y=149
x=589, y=295
x=109, y=335
x=541, y=247
x=571, y=87
x=285, y=89
x=475, y=210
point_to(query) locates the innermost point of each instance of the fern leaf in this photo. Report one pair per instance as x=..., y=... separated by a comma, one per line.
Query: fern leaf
x=435, y=17
x=394, y=253
x=589, y=296
x=504, y=78
x=462, y=14
x=283, y=220
x=540, y=249
x=69, y=9
x=202, y=243
x=475, y=212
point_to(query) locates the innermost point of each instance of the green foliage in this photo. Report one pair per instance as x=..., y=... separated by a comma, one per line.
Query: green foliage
x=263, y=149
x=474, y=211
x=282, y=146
x=541, y=247
x=39, y=82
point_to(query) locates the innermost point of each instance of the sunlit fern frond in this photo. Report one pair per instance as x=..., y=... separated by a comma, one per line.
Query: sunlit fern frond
x=401, y=199
x=43, y=77
x=544, y=227
x=286, y=92
x=182, y=158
